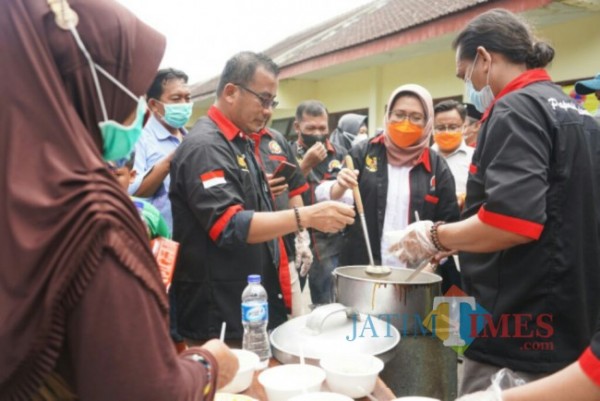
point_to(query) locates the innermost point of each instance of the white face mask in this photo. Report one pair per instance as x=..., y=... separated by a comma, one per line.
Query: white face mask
x=483, y=98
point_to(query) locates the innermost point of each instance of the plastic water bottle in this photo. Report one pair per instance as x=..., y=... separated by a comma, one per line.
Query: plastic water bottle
x=255, y=317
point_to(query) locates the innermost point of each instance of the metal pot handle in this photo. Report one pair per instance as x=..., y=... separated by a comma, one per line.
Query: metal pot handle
x=316, y=319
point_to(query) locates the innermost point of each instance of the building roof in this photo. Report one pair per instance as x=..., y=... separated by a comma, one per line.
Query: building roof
x=365, y=24
x=369, y=22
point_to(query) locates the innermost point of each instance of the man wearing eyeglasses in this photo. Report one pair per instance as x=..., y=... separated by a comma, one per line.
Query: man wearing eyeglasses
x=223, y=209
x=449, y=125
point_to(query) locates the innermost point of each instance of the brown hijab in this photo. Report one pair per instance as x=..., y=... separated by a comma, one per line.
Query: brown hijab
x=60, y=208
x=409, y=156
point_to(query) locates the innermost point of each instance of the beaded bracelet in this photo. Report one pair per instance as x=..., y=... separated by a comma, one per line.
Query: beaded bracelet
x=298, y=222
x=201, y=359
x=435, y=238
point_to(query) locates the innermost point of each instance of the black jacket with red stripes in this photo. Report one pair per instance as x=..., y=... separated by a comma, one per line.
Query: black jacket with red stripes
x=432, y=195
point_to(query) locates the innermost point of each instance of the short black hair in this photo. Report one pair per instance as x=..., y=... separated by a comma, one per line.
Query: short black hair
x=130, y=162
x=472, y=112
x=501, y=31
x=240, y=69
x=448, y=105
x=162, y=77
x=312, y=108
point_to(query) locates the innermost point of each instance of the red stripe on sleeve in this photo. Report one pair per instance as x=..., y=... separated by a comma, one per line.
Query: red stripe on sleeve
x=212, y=174
x=222, y=221
x=285, y=281
x=590, y=364
x=278, y=158
x=298, y=191
x=472, y=169
x=432, y=199
x=512, y=224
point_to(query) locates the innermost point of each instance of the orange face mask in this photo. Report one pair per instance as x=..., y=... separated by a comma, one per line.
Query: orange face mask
x=404, y=133
x=448, y=141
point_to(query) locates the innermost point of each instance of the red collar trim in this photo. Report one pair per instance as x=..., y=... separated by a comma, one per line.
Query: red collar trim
x=256, y=137
x=378, y=139
x=523, y=80
x=223, y=123
x=425, y=159
x=265, y=131
x=329, y=146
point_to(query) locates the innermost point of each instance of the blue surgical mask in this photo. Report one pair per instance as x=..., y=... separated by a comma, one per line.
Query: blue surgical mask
x=483, y=98
x=118, y=141
x=177, y=114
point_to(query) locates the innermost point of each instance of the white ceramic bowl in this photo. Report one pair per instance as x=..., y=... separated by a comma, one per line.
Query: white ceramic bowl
x=354, y=375
x=243, y=378
x=321, y=396
x=286, y=381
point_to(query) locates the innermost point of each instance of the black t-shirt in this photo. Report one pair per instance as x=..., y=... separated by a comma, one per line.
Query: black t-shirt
x=536, y=172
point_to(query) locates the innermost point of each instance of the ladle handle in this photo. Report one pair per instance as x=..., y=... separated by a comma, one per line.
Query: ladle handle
x=355, y=191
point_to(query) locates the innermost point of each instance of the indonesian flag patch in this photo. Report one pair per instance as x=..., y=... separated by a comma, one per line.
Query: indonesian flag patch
x=213, y=178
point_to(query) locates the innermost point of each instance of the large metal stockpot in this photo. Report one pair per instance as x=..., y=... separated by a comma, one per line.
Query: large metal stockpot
x=422, y=365
x=405, y=305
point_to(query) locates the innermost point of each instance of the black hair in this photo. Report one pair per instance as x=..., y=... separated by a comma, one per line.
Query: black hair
x=448, y=105
x=162, y=77
x=240, y=69
x=472, y=112
x=501, y=31
x=312, y=108
x=130, y=162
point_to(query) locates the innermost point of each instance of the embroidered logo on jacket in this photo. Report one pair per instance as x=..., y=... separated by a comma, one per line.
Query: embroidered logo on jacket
x=334, y=165
x=371, y=163
x=241, y=159
x=275, y=148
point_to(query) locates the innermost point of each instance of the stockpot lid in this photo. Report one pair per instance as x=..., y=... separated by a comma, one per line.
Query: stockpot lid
x=334, y=328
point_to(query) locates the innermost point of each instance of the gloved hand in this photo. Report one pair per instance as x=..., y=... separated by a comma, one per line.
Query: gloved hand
x=413, y=244
x=504, y=379
x=304, y=256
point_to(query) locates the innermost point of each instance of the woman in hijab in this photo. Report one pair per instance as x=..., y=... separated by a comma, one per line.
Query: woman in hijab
x=399, y=178
x=351, y=129
x=84, y=312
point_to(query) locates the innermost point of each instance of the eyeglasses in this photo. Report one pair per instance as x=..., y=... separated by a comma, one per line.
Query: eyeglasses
x=448, y=128
x=267, y=103
x=414, y=118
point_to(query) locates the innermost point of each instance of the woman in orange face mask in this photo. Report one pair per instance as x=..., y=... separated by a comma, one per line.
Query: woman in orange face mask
x=398, y=176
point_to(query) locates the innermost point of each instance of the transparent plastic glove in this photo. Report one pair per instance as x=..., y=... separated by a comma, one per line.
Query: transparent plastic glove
x=413, y=244
x=304, y=256
x=503, y=380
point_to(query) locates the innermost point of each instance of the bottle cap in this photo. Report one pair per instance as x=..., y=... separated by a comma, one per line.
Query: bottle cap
x=254, y=278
